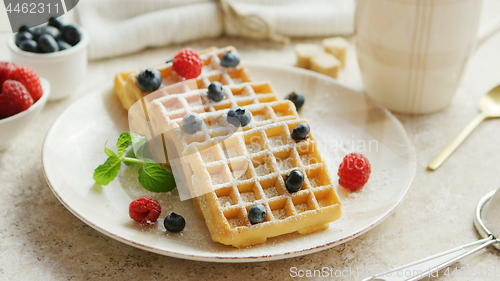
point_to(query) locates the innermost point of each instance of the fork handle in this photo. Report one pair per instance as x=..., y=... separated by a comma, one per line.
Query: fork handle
x=448, y=150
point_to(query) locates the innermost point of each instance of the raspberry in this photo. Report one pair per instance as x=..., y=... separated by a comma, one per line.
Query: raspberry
x=28, y=77
x=14, y=98
x=354, y=172
x=5, y=69
x=144, y=209
x=187, y=63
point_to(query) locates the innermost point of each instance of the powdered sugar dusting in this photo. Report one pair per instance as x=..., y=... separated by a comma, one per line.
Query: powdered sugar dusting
x=235, y=222
x=262, y=169
x=315, y=182
x=248, y=196
x=285, y=164
x=217, y=179
x=301, y=208
x=172, y=107
x=307, y=159
x=279, y=214
x=231, y=152
x=253, y=147
x=240, y=175
x=237, y=80
x=225, y=201
x=259, y=117
x=276, y=141
x=271, y=192
x=207, y=157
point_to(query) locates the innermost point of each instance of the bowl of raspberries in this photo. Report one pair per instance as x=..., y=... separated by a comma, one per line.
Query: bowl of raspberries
x=56, y=51
x=22, y=95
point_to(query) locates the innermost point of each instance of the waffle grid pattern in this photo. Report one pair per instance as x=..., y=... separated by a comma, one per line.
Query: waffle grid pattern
x=216, y=126
x=260, y=98
x=176, y=106
x=250, y=167
x=211, y=71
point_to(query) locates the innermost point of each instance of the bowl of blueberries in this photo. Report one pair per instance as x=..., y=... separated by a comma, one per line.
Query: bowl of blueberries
x=56, y=51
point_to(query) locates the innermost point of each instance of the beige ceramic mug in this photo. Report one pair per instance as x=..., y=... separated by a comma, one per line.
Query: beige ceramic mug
x=412, y=53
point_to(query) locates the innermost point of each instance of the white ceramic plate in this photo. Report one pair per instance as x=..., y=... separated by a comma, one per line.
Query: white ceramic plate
x=342, y=120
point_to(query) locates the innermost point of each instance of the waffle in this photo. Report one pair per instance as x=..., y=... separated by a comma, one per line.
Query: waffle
x=138, y=113
x=216, y=126
x=174, y=101
x=175, y=107
x=125, y=84
x=250, y=167
x=259, y=97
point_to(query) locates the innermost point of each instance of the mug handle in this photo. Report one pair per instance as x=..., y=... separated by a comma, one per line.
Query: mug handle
x=488, y=30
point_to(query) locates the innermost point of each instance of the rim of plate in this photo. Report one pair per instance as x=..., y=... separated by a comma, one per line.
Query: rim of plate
x=258, y=258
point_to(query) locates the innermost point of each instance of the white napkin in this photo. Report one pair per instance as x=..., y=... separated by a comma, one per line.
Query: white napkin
x=118, y=27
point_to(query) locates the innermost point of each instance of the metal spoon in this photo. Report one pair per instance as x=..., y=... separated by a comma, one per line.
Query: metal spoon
x=487, y=223
x=490, y=108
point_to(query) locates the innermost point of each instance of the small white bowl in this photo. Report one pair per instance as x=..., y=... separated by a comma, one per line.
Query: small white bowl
x=12, y=126
x=65, y=69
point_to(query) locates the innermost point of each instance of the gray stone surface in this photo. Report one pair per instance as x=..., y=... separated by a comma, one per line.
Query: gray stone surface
x=41, y=240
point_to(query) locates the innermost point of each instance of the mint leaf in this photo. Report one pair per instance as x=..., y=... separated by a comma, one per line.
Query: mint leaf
x=144, y=152
x=138, y=143
x=124, y=141
x=130, y=154
x=155, y=178
x=109, y=152
x=107, y=172
x=137, y=139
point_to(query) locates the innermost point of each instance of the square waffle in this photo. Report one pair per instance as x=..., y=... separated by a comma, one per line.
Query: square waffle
x=215, y=126
x=172, y=107
x=125, y=83
x=250, y=167
x=151, y=116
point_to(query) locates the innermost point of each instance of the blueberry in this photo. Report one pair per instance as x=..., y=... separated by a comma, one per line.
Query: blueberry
x=230, y=59
x=294, y=180
x=191, y=123
x=24, y=28
x=71, y=34
x=239, y=117
x=257, y=213
x=29, y=46
x=301, y=131
x=54, y=32
x=55, y=22
x=23, y=36
x=297, y=98
x=174, y=222
x=63, y=45
x=215, y=91
x=37, y=32
x=149, y=80
x=47, y=44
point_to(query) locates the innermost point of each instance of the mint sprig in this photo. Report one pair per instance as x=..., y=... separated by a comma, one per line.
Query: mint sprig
x=130, y=154
x=108, y=171
x=152, y=176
